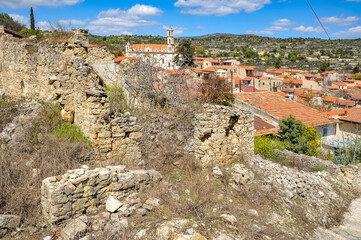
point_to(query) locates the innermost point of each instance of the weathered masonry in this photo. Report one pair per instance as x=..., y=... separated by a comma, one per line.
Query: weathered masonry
x=222, y=134
x=60, y=72
x=84, y=191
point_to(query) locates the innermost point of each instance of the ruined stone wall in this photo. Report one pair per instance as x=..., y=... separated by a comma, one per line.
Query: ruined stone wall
x=60, y=71
x=222, y=134
x=82, y=191
x=314, y=164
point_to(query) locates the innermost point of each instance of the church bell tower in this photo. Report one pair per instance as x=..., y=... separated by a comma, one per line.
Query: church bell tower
x=170, y=40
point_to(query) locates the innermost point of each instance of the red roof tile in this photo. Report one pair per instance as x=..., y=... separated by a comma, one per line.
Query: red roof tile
x=281, y=107
x=352, y=115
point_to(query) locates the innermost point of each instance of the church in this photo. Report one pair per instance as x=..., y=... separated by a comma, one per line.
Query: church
x=164, y=54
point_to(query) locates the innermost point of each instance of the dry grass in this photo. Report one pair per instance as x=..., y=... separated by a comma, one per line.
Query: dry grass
x=25, y=164
x=8, y=110
x=58, y=37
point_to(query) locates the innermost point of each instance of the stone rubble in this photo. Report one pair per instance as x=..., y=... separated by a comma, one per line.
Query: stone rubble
x=114, y=188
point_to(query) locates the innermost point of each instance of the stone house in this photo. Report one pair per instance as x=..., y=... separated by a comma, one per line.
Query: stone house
x=275, y=107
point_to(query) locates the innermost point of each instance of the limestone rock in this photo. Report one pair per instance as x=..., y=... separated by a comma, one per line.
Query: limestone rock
x=229, y=218
x=252, y=212
x=240, y=175
x=112, y=204
x=74, y=229
x=151, y=203
x=9, y=221
x=217, y=172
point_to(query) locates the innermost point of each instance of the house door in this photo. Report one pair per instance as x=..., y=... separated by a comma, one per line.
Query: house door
x=324, y=134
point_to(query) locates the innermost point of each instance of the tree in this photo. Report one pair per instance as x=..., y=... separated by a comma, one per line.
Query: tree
x=299, y=138
x=185, y=54
x=32, y=21
x=356, y=69
x=201, y=51
x=324, y=66
x=278, y=63
x=10, y=23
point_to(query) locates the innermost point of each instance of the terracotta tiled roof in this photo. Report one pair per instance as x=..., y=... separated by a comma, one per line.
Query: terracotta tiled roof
x=336, y=112
x=96, y=45
x=247, y=79
x=211, y=60
x=281, y=107
x=119, y=59
x=352, y=115
x=172, y=72
x=293, y=81
x=330, y=99
x=248, y=89
x=263, y=128
x=196, y=70
x=248, y=68
x=340, y=84
x=356, y=96
x=281, y=94
x=338, y=101
x=153, y=47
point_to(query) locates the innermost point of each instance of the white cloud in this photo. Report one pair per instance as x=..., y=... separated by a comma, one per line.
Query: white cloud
x=117, y=21
x=72, y=22
x=269, y=31
x=303, y=29
x=201, y=28
x=351, y=32
x=19, y=18
x=32, y=3
x=283, y=22
x=177, y=30
x=341, y=21
x=44, y=25
x=220, y=7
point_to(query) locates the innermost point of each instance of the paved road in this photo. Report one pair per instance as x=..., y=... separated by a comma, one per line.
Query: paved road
x=350, y=228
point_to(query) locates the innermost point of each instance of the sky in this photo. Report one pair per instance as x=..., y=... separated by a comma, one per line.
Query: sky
x=273, y=18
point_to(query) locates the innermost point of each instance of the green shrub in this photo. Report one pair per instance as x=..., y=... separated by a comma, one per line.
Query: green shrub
x=299, y=138
x=117, y=98
x=266, y=146
x=69, y=132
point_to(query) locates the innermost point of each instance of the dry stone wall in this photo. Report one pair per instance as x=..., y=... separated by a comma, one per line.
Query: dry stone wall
x=61, y=72
x=83, y=191
x=222, y=134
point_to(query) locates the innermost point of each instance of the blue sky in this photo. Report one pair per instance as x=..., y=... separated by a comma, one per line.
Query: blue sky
x=274, y=18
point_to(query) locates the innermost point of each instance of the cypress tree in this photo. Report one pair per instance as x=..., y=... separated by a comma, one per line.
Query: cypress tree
x=32, y=21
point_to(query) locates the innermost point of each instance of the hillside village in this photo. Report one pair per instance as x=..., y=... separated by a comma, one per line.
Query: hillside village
x=330, y=101
x=141, y=147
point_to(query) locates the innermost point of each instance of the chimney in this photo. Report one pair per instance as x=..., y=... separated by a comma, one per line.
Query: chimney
x=2, y=29
x=346, y=113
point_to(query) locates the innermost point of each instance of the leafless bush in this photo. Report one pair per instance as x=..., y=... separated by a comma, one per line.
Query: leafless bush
x=217, y=91
x=8, y=110
x=25, y=164
x=145, y=82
